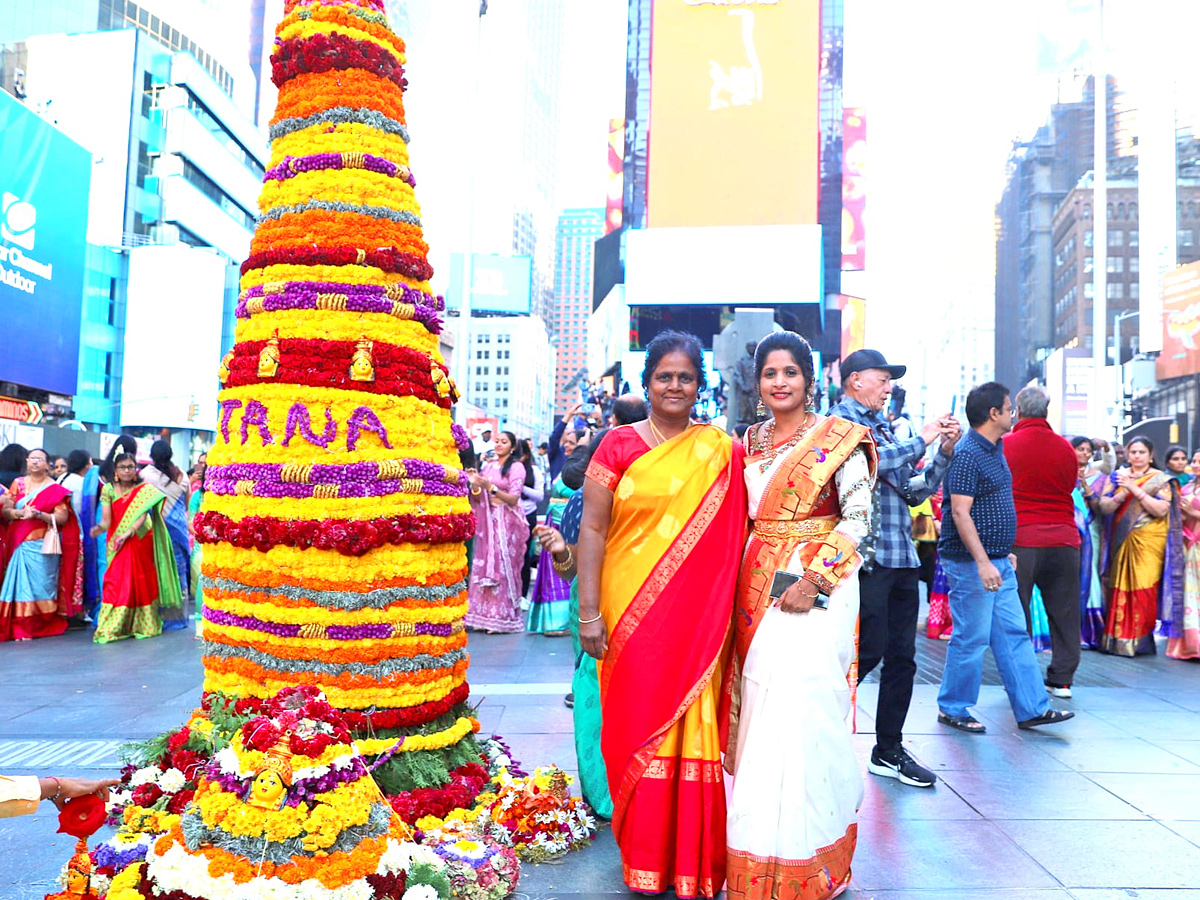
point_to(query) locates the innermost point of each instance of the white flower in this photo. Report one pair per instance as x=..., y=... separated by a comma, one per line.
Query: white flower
x=421, y=892
x=426, y=856
x=228, y=761
x=503, y=760
x=147, y=775
x=172, y=781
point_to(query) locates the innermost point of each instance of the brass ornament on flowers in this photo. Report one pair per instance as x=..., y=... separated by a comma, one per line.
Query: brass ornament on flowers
x=362, y=366
x=268, y=358
x=223, y=368
x=443, y=383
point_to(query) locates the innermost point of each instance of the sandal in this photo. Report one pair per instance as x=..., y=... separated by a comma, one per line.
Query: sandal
x=969, y=724
x=1049, y=717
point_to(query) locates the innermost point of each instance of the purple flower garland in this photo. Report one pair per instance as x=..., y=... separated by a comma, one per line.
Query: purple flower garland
x=370, y=631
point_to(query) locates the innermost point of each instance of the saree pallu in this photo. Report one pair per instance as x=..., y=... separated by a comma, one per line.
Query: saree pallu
x=939, y=625
x=40, y=591
x=1185, y=642
x=1091, y=595
x=793, y=828
x=585, y=688
x=548, y=605
x=1145, y=571
x=666, y=595
x=140, y=577
x=91, y=579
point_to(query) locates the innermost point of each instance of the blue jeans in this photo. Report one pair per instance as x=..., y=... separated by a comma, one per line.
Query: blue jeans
x=983, y=619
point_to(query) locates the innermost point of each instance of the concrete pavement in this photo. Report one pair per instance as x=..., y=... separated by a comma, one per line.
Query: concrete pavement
x=1106, y=806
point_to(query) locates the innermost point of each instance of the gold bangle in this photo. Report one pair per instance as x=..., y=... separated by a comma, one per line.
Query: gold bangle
x=564, y=566
x=598, y=617
x=475, y=492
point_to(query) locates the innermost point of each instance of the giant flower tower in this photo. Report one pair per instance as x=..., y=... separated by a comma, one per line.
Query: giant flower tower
x=334, y=757
x=335, y=516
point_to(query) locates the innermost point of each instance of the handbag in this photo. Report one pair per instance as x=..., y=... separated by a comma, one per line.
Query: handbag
x=52, y=542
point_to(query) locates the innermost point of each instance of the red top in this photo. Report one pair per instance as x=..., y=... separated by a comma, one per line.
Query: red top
x=1044, y=472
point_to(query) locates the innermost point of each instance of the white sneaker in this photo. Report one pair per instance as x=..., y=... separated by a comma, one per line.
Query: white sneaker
x=1059, y=690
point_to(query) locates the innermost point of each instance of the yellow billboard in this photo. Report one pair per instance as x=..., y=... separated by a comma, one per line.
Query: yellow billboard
x=734, y=132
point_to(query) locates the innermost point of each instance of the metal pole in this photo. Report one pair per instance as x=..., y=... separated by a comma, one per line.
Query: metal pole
x=1101, y=427
x=462, y=350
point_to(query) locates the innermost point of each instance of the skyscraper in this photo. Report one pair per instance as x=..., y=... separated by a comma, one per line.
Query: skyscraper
x=578, y=230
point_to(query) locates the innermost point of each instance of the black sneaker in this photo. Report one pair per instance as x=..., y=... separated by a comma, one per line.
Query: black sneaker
x=569, y=700
x=894, y=762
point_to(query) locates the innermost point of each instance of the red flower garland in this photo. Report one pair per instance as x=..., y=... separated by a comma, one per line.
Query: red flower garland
x=389, y=259
x=328, y=52
x=379, y=719
x=348, y=537
x=399, y=370
x=466, y=783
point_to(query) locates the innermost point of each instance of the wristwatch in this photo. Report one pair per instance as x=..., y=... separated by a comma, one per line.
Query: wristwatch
x=494, y=490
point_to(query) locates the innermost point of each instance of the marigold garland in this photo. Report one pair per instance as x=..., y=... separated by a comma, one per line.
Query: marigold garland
x=312, y=92
x=415, y=742
x=326, y=569
x=319, y=138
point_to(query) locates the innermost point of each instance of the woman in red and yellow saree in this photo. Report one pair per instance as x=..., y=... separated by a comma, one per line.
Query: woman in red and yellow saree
x=41, y=589
x=793, y=813
x=141, y=576
x=1145, y=553
x=664, y=516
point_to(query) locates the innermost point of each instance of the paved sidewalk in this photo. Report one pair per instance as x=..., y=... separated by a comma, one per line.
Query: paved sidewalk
x=1105, y=807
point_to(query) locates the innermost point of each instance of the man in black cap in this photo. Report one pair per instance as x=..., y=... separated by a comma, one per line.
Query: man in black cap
x=888, y=582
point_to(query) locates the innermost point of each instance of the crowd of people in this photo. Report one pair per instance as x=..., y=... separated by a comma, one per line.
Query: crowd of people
x=691, y=666
x=101, y=544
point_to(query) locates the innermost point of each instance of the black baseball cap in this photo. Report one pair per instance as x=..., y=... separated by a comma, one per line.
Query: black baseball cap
x=861, y=360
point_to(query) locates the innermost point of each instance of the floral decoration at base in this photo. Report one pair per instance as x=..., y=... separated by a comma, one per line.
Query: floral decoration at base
x=287, y=810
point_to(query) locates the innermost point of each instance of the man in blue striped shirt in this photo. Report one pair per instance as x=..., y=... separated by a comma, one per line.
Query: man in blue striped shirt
x=888, y=584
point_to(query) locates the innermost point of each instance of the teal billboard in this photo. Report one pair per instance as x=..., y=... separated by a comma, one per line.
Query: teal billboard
x=498, y=283
x=44, y=181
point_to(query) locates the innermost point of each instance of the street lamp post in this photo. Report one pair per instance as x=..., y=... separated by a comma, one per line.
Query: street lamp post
x=1117, y=320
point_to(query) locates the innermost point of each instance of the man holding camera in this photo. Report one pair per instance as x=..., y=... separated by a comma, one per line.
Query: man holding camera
x=888, y=582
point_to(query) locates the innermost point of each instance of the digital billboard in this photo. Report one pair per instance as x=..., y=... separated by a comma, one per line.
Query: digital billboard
x=44, y=180
x=854, y=189
x=1181, y=323
x=614, y=213
x=854, y=323
x=175, y=298
x=498, y=283
x=734, y=132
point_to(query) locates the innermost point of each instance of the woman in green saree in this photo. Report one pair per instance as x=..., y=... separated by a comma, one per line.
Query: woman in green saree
x=141, y=577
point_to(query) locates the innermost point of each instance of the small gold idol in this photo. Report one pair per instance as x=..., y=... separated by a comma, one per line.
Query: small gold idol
x=362, y=366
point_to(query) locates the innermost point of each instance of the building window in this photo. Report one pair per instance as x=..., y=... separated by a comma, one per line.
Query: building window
x=1134, y=265
x=1087, y=239
x=1089, y=289
x=1087, y=265
x=1134, y=290
x=1116, y=290
x=1133, y=238
x=1186, y=237
x=1116, y=238
x=1116, y=264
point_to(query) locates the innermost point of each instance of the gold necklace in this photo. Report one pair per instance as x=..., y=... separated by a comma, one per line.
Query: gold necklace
x=766, y=444
x=659, y=436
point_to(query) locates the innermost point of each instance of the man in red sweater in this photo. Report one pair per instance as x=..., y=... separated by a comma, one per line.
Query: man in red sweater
x=1044, y=472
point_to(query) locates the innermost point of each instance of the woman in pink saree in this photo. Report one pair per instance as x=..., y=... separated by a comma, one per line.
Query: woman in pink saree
x=501, y=536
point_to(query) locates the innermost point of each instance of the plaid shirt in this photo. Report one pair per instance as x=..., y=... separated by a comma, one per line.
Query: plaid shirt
x=905, y=486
